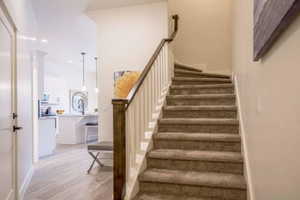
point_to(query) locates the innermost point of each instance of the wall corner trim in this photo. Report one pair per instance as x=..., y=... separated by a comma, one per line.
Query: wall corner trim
x=247, y=170
x=25, y=184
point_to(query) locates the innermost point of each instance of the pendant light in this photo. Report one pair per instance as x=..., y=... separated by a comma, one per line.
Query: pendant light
x=83, y=72
x=96, y=88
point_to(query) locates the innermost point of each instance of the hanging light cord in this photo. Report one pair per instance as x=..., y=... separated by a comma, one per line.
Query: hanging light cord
x=83, y=69
x=96, y=60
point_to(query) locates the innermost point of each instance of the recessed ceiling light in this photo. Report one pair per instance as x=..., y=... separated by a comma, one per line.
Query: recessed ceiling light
x=23, y=37
x=44, y=41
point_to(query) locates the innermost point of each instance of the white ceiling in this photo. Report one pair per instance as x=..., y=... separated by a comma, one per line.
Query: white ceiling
x=68, y=30
x=105, y=4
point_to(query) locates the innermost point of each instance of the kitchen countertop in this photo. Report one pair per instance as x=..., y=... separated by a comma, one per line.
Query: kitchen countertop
x=48, y=117
x=78, y=115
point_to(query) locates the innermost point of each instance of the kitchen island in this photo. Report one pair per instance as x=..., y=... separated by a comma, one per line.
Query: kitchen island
x=71, y=127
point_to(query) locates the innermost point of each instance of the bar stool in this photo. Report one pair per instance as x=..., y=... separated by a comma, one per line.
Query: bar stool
x=87, y=133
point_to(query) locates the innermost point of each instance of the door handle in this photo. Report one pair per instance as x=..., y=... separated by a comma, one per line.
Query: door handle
x=17, y=128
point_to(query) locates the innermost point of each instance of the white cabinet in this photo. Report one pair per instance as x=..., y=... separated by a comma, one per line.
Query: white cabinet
x=47, y=136
x=72, y=128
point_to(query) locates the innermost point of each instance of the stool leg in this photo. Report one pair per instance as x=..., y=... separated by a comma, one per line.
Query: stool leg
x=86, y=135
x=93, y=163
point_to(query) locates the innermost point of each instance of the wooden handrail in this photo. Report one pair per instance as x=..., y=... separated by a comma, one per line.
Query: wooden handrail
x=149, y=65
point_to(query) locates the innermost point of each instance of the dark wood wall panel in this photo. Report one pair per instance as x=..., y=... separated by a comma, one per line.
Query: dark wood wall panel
x=271, y=18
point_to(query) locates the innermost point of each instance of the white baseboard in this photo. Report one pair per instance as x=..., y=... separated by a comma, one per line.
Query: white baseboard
x=244, y=143
x=25, y=184
x=10, y=196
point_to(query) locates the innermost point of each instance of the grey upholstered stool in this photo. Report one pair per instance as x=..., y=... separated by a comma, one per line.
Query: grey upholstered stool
x=95, y=150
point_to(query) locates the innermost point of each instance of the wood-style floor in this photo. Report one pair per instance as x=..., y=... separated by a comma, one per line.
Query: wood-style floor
x=64, y=177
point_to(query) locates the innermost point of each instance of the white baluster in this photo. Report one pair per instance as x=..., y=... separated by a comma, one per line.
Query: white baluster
x=155, y=86
x=171, y=63
x=159, y=79
x=152, y=94
x=142, y=110
x=165, y=68
x=128, y=142
x=131, y=133
x=157, y=83
x=162, y=71
x=136, y=124
x=147, y=103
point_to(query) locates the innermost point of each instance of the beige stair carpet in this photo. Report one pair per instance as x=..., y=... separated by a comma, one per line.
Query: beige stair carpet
x=197, y=150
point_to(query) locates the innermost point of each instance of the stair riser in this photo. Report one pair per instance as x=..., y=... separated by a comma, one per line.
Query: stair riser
x=187, y=82
x=199, y=114
x=186, y=69
x=202, y=166
x=196, y=128
x=187, y=91
x=200, y=101
x=190, y=75
x=196, y=191
x=198, y=145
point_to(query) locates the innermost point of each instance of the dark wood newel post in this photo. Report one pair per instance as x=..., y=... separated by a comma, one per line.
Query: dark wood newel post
x=119, y=134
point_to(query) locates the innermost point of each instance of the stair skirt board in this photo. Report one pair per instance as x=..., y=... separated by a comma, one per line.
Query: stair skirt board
x=196, y=153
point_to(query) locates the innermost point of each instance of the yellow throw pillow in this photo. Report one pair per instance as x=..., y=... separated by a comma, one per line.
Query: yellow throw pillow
x=125, y=83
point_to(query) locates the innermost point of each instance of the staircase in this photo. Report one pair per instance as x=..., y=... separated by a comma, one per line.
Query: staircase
x=197, y=148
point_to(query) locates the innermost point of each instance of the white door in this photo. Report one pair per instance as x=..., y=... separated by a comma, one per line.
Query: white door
x=7, y=150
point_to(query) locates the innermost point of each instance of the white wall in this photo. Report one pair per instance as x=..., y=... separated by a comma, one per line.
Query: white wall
x=269, y=93
x=60, y=78
x=204, y=37
x=22, y=15
x=127, y=37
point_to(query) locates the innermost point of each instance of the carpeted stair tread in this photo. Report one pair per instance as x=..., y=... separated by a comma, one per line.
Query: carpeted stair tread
x=199, y=111
x=206, y=108
x=196, y=151
x=199, y=121
x=152, y=196
x=227, y=85
x=195, y=88
x=201, y=96
x=187, y=72
x=185, y=67
x=188, y=155
x=208, y=179
x=222, y=80
x=220, y=137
